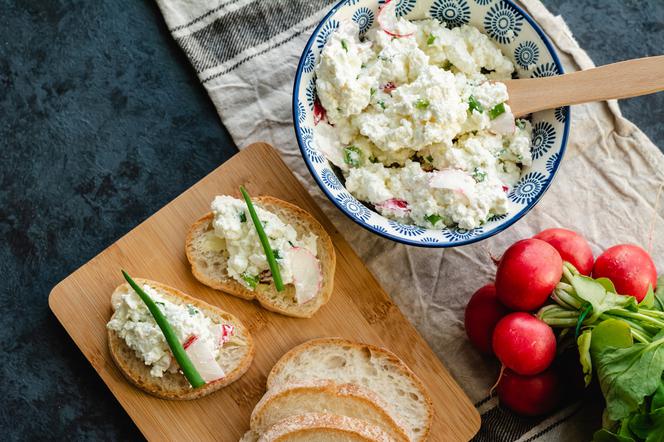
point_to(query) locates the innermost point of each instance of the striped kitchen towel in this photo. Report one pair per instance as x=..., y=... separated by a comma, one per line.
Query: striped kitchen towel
x=245, y=53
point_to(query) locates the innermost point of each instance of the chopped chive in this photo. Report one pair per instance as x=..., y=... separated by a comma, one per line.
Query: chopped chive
x=479, y=175
x=431, y=39
x=192, y=310
x=496, y=111
x=372, y=91
x=243, y=217
x=433, y=219
x=429, y=158
x=252, y=281
x=422, y=103
x=344, y=44
x=381, y=103
x=373, y=159
x=277, y=255
x=176, y=347
x=352, y=156
x=521, y=124
x=473, y=104
x=274, y=267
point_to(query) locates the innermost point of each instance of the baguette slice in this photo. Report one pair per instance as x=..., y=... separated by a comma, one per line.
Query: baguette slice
x=324, y=396
x=210, y=266
x=235, y=357
x=320, y=427
x=375, y=368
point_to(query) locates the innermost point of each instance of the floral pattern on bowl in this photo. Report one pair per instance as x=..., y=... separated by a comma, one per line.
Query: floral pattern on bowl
x=520, y=39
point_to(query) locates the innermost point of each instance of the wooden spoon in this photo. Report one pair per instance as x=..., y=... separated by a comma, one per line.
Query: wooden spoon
x=618, y=80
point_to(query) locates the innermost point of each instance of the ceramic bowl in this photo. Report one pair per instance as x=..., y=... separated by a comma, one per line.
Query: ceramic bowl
x=520, y=39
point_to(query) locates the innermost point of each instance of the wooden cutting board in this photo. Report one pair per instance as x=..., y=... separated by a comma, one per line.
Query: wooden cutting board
x=359, y=310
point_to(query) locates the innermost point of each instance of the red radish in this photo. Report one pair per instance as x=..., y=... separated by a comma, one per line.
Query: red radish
x=482, y=314
x=388, y=21
x=395, y=205
x=524, y=343
x=530, y=395
x=629, y=267
x=527, y=274
x=572, y=247
x=319, y=112
x=190, y=340
x=202, y=355
x=389, y=87
x=452, y=179
x=307, y=274
x=223, y=333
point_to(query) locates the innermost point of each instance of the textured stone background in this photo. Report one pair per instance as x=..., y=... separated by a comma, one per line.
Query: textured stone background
x=102, y=122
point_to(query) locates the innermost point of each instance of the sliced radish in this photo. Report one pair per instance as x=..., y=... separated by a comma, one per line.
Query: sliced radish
x=307, y=274
x=190, y=340
x=320, y=114
x=452, y=179
x=395, y=205
x=223, y=333
x=388, y=87
x=327, y=143
x=503, y=123
x=201, y=352
x=389, y=22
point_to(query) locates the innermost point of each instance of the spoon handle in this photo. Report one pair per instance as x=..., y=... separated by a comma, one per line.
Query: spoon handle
x=618, y=80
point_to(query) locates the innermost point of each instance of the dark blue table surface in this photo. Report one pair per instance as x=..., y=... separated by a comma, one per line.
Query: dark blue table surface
x=102, y=122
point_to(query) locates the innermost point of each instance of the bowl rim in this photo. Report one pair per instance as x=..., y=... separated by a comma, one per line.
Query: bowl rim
x=387, y=235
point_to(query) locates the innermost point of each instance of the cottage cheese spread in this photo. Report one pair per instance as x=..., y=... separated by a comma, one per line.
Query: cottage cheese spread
x=134, y=323
x=417, y=124
x=247, y=263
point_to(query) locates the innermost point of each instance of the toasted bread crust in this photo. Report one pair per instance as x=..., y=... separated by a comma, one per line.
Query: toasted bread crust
x=405, y=370
x=354, y=396
x=342, y=428
x=264, y=294
x=175, y=386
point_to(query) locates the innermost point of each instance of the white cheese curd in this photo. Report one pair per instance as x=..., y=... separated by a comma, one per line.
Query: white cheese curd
x=418, y=121
x=247, y=262
x=134, y=323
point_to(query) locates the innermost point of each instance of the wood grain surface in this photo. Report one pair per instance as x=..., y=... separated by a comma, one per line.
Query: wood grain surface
x=624, y=79
x=359, y=310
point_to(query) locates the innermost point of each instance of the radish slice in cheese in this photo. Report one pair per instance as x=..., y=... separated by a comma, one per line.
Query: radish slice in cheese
x=395, y=205
x=452, y=179
x=328, y=144
x=389, y=22
x=307, y=274
x=202, y=356
x=503, y=123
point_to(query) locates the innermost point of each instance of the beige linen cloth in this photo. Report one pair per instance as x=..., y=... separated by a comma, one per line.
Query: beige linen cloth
x=606, y=187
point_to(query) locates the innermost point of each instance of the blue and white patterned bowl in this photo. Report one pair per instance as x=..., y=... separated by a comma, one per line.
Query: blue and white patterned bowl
x=519, y=37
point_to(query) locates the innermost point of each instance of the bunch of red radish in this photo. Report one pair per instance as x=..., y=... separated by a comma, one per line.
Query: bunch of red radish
x=499, y=318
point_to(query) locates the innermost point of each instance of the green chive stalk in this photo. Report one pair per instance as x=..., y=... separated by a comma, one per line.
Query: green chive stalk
x=177, y=349
x=269, y=254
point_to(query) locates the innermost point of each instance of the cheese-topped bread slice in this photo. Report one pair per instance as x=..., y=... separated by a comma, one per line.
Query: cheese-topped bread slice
x=324, y=396
x=374, y=368
x=320, y=427
x=225, y=253
x=140, y=351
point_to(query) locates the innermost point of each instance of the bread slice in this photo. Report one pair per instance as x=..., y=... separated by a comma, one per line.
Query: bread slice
x=210, y=266
x=319, y=427
x=371, y=367
x=235, y=357
x=324, y=396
